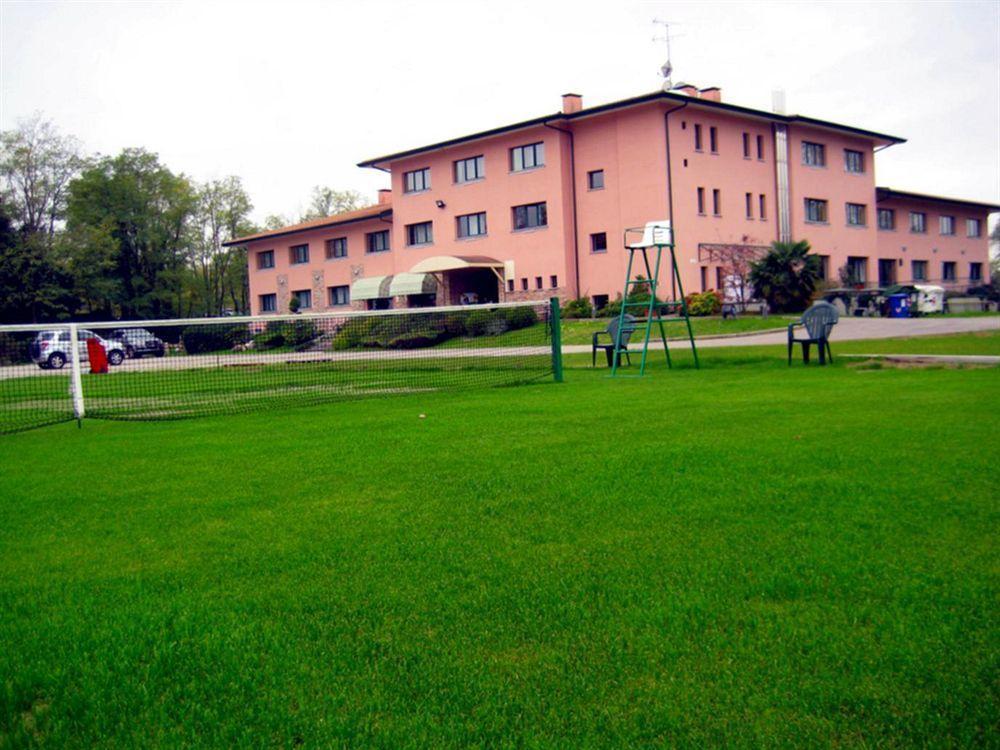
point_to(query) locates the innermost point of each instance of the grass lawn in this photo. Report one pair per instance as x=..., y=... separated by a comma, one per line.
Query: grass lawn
x=982, y=342
x=748, y=554
x=582, y=331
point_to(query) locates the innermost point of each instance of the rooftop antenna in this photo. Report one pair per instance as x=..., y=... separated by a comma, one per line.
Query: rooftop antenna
x=667, y=68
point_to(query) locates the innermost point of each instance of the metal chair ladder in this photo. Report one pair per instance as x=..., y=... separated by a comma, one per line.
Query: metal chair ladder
x=658, y=236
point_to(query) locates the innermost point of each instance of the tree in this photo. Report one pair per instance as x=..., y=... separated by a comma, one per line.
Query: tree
x=326, y=201
x=36, y=166
x=145, y=208
x=222, y=212
x=786, y=277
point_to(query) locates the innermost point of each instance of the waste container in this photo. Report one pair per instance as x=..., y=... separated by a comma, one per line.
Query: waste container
x=899, y=305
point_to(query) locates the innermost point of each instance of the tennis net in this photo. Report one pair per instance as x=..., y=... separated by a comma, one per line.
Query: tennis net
x=167, y=369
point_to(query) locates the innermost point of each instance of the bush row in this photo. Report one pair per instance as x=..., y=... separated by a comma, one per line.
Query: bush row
x=427, y=329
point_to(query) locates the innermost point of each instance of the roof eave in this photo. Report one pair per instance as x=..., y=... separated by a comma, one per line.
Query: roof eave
x=286, y=231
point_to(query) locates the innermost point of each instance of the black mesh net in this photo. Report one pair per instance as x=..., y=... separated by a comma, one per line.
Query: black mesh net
x=173, y=369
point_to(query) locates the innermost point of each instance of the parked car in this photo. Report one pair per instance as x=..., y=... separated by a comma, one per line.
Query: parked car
x=139, y=342
x=51, y=349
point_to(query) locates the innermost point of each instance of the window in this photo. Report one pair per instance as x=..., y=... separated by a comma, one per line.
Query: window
x=599, y=242
x=749, y=202
x=973, y=228
x=417, y=181
x=918, y=270
x=704, y=278
x=813, y=154
x=947, y=225
x=299, y=254
x=713, y=139
x=471, y=225
x=716, y=202
x=918, y=222
x=265, y=259
x=377, y=242
x=886, y=218
x=697, y=137
x=268, y=302
x=857, y=270
x=762, y=212
x=471, y=169
x=553, y=281
x=595, y=180
x=816, y=210
x=336, y=248
x=975, y=272
x=600, y=301
x=420, y=234
x=527, y=157
x=760, y=147
x=524, y=284
x=510, y=285
x=701, y=201
x=530, y=216
x=948, y=270
x=746, y=145
x=856, y=215
x=824, y=267
x=305, y=298
x=339, y=295
x=854, y=161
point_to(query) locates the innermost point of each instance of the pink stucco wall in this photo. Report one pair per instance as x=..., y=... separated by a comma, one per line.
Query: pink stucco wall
x=932, y=246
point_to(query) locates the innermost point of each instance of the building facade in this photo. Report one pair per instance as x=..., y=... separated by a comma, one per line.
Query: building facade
x=539, y=209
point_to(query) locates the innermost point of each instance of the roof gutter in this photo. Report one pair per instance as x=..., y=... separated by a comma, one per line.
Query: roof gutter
x=576, y=232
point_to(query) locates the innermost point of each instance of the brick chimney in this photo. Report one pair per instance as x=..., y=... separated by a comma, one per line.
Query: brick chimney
x=712, y=93
x=685, y=88
x=571, y=103
x=384, y=196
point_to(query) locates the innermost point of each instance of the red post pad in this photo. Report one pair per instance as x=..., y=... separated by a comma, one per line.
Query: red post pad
x=97, y=356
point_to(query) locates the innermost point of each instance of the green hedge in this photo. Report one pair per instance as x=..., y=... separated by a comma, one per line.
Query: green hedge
x=412, y=331
x=214, y=338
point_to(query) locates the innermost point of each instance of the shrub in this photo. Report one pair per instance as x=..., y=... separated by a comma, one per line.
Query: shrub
x=485, y=323
x=14, y=348
x=213, y=338
x=578, y=308
x=613, y=309
x=705, y=303
x=786, y=277
x=520, y=317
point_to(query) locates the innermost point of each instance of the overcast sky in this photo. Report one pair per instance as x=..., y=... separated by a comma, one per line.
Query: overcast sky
x=293, y=94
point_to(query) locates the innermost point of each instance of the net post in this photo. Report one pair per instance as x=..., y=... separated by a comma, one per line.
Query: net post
x=557, y=366
x=75, y=383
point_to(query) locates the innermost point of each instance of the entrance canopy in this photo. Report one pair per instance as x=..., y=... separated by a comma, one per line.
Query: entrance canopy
x=412, y=283
x=439, y=263
x=371, y=287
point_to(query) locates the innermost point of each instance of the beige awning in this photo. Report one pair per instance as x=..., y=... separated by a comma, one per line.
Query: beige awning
x=439, y=263
x=412, y=283
x=371, y=287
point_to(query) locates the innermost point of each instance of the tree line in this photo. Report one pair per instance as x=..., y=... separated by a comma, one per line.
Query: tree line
x=88, y=236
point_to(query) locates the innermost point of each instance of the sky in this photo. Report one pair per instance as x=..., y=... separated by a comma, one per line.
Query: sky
x=289, y=95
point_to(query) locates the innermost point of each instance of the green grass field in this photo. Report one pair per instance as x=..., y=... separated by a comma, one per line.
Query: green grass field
x=748, y=555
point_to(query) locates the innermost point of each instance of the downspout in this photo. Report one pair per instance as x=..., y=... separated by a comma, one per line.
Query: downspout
x=670, y=190
x=576, y=233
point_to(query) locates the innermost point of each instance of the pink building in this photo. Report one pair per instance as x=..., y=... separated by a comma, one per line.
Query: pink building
x=538, y=208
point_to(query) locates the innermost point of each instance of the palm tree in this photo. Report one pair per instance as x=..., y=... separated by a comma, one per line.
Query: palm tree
x=786, y=277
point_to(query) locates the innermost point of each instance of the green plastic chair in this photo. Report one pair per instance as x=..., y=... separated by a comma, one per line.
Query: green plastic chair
x=818, y=321
x=611, y=331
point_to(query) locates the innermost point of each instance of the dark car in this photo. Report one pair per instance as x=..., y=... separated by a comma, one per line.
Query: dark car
x=139, y=342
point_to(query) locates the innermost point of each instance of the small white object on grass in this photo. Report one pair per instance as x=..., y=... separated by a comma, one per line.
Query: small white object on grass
x=423, y=416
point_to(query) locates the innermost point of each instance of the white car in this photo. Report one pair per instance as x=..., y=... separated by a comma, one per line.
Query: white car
x=51, y=349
